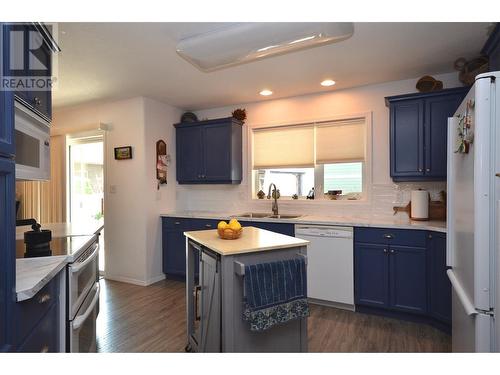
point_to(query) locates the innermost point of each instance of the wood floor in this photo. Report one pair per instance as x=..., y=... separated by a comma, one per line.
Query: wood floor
x=152, y=319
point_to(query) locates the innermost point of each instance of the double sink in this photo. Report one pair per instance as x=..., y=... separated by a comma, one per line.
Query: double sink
x=261, y=215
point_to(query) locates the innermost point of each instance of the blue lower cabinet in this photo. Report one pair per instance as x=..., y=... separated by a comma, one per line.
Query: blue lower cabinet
x=402, y=274
x=371, y=268
x=408, y=282
x=439, y=284
x=174, y=253
x=38, y=320
x=45, y=336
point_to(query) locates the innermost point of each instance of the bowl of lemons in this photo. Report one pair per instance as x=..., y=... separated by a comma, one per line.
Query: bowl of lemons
x=229, y=231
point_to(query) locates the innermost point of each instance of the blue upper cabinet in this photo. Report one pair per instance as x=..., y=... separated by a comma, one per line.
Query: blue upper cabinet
x=209, y=152
x=7, y=251
x=492, y=48
x=407, y=139
x=7, y=143
x=418, y=133
x=31, y=62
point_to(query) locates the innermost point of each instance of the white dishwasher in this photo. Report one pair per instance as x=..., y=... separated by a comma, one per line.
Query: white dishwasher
x=330, y=264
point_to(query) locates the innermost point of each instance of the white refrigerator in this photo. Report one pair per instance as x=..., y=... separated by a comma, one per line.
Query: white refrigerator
x=473, y=217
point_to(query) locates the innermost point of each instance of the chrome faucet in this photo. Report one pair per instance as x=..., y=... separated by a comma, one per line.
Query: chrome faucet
x=274, y=207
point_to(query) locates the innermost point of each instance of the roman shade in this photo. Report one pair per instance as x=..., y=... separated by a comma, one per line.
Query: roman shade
x=340, y=141
x=283, y=147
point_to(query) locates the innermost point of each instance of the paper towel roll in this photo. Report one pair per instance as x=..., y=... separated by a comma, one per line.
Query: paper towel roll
x=419, y=205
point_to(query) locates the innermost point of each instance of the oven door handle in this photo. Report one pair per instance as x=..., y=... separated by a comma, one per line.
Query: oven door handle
x=77, y=323
x=79, y=266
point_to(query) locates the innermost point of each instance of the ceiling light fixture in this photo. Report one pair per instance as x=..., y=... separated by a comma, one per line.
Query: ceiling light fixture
x=266, y=92
x=328, y=82
x=239, y=43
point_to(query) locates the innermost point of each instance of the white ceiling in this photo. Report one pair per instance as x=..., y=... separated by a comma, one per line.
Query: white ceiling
x=109, y=61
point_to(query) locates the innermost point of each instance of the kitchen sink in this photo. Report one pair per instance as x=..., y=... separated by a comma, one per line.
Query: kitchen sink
x=269, y=216
x=283, y=216
x=254, y=214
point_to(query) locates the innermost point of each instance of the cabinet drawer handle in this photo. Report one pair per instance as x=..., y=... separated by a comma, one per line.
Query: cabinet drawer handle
x=196, y=293
x=385, y=251
x=420, y=169
x=44, y=298
x=37, y=101
x=428, y=170
x=392, y=251
x=430, y=236
x=208, y=225
x=177, y=223
x=388, y=236
x=45, y=349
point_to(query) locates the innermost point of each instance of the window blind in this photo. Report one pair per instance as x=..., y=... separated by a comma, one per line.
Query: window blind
x=340, y=141
x=283, y=147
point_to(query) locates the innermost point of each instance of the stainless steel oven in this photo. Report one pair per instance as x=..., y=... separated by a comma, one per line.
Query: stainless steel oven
x=82, y=277
x=83, y=300
x=32, y=138
x=82, y=329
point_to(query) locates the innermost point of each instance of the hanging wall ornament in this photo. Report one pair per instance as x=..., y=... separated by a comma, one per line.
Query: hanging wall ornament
x=465, y=131
x=161, y=162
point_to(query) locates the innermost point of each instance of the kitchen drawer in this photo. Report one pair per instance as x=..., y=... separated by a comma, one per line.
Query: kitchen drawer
x=203, y=224
x=388, y=236
x=30, y=312
x=176, y=223
x=44, y=338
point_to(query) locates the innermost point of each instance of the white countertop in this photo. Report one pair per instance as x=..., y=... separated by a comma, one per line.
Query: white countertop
x=400, y=220
x=251, y=240
x=32, y=274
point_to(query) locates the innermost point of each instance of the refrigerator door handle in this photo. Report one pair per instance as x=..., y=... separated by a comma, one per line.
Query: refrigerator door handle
x=462, y=296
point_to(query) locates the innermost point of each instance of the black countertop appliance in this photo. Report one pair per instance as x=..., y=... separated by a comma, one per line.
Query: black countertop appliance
x=37, y=240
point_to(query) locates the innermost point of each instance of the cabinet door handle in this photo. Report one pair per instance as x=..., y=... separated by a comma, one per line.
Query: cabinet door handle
x=392, y=251
x=388, y=236
x=385, y=251
x=37, y=101
x=45, y=349
x=196, y=296
x=420, y=169
x=430, y=236
x=44, y=298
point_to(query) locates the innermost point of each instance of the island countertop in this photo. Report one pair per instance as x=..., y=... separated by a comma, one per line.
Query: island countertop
x=252, y=240
x=32, y=274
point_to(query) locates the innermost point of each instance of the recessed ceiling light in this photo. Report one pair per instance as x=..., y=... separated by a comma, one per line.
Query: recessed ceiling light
x=266, y=92
x=328, y=82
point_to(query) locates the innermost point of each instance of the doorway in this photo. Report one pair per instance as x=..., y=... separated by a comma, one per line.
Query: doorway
x=85, y=182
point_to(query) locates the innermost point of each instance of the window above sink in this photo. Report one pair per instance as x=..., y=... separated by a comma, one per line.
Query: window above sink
x=329, y=155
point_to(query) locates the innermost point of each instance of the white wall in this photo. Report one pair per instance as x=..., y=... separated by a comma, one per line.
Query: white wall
x=306, y=108
x=158, y=125
x=132, y=242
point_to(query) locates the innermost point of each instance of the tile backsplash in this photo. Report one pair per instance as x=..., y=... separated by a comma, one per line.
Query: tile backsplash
x=234, y=199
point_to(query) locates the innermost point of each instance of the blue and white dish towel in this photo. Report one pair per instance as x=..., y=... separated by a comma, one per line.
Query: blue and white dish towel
x=275, y=293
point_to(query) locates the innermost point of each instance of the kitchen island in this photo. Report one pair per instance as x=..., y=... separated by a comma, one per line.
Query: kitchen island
x=215, y=297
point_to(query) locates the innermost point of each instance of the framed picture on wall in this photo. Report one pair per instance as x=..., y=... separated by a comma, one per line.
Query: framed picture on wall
x=123, y=153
